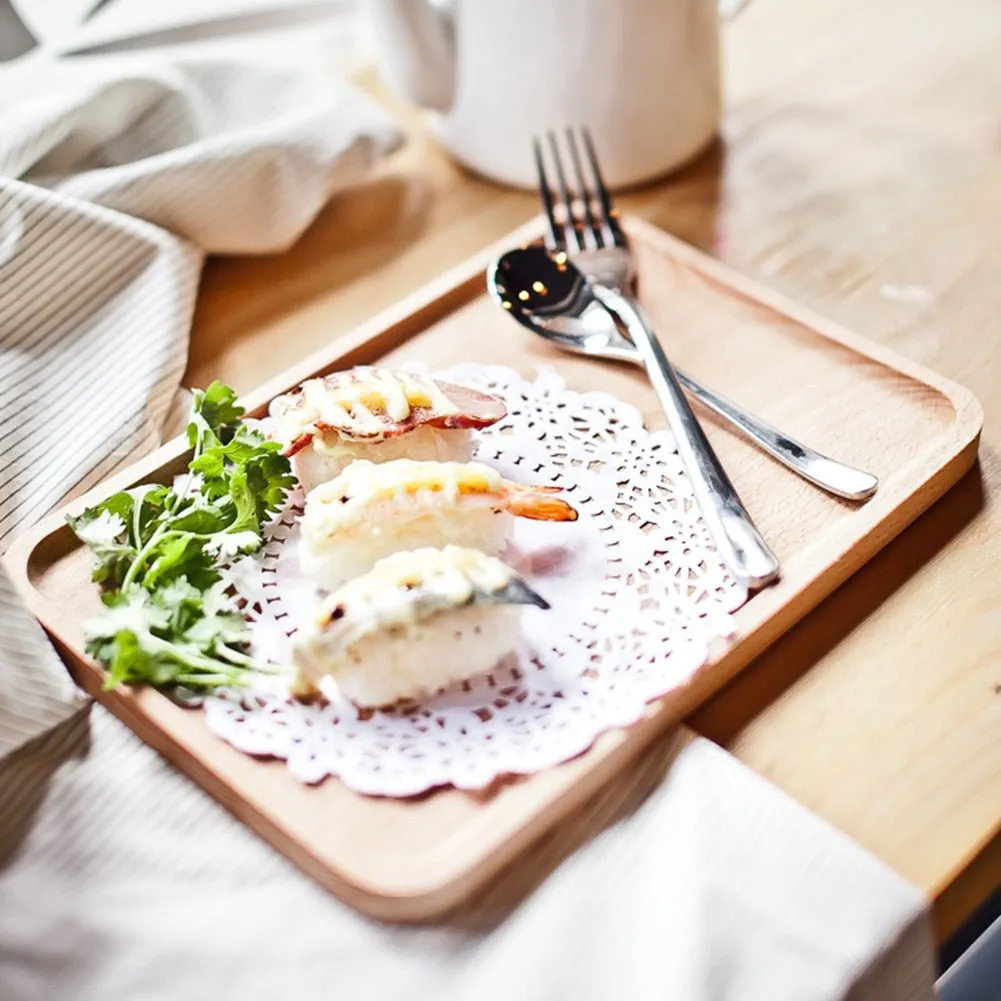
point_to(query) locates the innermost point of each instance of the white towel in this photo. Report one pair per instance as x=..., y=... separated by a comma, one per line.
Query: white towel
x=116, y=177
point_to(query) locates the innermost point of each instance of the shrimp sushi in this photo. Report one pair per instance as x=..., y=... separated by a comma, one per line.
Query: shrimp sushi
x=416, y=622
x=375, y=414
x=373, y=510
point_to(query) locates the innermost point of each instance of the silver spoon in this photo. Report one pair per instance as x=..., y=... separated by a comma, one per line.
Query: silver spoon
x=555, y=287
x=584, y=326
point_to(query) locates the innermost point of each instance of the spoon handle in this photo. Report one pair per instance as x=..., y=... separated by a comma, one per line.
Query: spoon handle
x=832, y=476
x=740, y=543
x=835, y=477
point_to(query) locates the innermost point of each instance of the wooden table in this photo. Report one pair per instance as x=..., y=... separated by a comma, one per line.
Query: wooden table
x=860, y=173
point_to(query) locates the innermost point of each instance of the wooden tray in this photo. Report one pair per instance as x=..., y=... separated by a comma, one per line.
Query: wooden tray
x=417, y=858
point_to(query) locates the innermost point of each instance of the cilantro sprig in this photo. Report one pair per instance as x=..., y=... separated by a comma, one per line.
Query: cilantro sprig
x=161, y=556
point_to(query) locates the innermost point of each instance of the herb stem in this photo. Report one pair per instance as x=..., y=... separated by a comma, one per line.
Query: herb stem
x=237, y=658
x=137, y=507
x=192, y=658
x=195, y=659
x=182, y=494
x=143, y=554
x=207, y=679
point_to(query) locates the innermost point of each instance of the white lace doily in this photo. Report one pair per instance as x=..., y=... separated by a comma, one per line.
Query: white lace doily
x=637, y=594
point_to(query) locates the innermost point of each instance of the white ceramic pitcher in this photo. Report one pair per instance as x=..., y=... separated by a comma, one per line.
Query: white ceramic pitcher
x=643, y=75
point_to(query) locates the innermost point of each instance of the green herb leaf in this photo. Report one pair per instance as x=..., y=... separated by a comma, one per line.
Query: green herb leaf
x=169, y=637
x=270, y=479
x=105, y=529
x=215, y=415
x=180, y=555
x=170, y=618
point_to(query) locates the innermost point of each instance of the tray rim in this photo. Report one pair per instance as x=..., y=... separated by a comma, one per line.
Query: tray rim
x=955, y=452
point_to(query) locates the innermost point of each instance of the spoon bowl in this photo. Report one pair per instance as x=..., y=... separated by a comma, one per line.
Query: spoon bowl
x=555, y=301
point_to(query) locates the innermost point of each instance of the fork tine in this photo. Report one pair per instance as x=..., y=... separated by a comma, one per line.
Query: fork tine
x=553, y=238
x=592, y=232
x=610, y=229
x=573, y=244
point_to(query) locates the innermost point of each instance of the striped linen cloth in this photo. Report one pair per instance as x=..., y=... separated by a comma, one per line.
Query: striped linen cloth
x=115, y=180
x=120, y=879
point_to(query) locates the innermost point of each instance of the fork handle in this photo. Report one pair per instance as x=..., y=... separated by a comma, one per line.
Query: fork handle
x=740, y=543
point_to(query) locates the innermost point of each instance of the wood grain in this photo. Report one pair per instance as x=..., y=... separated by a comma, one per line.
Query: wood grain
x=417, y=858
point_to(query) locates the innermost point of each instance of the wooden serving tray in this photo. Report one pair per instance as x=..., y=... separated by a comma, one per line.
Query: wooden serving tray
x=417, y=858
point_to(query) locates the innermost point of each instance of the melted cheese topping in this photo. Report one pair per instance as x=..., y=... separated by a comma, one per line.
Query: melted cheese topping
x=407, y=587
x=347, y=499
x=357, y=404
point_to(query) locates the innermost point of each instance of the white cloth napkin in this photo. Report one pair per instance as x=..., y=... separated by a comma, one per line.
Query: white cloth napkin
x=133, y=884
x=121, y=879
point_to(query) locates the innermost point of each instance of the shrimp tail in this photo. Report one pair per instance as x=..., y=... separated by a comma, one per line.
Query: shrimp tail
x=539, y=504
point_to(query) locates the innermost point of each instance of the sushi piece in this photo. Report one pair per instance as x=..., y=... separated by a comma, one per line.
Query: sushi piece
x=375, y=414
x=372, y=510
x=416, y=622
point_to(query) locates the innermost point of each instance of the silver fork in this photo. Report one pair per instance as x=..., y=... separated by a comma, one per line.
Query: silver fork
x=598, y=248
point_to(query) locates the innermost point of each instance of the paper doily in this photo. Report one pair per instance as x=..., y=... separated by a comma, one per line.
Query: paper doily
x=637, y=593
